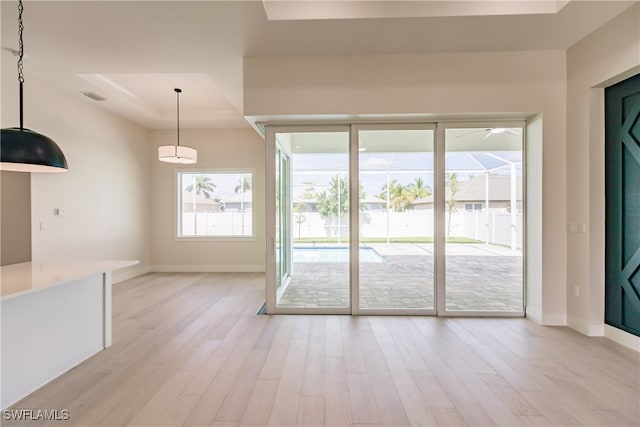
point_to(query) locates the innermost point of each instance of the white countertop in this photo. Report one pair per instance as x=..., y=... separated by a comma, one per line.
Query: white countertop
x=27, y=277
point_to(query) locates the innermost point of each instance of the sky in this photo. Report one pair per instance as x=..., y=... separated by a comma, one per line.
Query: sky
x=316, y=170
x=225, y=183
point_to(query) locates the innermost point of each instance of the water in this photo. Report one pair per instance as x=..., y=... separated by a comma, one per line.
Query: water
x=333, y=254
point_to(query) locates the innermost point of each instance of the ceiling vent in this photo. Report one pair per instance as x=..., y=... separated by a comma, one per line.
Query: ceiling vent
x=94, y=96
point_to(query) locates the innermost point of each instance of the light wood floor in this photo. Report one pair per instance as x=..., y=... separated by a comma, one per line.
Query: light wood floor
x=189, y=350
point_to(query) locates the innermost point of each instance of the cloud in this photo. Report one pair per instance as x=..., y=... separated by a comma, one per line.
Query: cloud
x=375, y=162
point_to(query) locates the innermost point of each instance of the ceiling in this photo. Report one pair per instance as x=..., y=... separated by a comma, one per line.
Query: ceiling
x=404, y=141
x=134, y=53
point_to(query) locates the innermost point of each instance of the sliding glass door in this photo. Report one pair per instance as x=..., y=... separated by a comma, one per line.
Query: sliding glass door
x=396, y=219
x=483, y=219
x=396, y=211
x=283, y=218
x=311, y=221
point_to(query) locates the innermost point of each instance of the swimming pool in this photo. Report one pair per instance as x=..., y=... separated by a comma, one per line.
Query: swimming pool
x=333, y=254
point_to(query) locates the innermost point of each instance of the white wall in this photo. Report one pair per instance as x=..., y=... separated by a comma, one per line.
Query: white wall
x=217, y=149
x=534, y=226
x=603, y=58
x=105, y=194
x=444, y=84
x=15, y=218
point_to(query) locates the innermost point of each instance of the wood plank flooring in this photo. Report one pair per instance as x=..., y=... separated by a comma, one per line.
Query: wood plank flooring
x=189, y=351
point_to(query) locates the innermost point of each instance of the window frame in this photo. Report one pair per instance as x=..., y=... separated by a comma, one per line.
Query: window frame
x=177, y=200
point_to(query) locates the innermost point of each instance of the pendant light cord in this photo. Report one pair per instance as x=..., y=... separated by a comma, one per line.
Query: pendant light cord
x=178, y=114
x=20, y=58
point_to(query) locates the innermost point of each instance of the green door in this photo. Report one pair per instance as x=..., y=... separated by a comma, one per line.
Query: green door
x=622, y=190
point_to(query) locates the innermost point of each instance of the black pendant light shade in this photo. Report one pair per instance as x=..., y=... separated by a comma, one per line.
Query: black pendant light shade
x=23, y=150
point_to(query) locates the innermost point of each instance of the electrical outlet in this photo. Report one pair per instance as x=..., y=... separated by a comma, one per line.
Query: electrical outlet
x=43, y=226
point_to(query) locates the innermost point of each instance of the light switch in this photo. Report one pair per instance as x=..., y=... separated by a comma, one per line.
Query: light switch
x=573, y=227
x=583, y=228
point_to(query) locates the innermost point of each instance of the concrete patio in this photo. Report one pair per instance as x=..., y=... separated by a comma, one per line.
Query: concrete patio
x=479, y=278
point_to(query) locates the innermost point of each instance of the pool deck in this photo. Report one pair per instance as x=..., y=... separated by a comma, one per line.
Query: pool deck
x=479, y=278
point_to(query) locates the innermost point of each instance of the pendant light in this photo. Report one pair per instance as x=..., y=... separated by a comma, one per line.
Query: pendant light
x=21, y=149
x=177, y=153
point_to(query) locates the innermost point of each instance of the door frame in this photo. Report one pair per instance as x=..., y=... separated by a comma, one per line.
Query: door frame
x=270, y=217
x=439, y=227
x=355, y=219
x=441, y=213
x=617, y=282
x=283, y=227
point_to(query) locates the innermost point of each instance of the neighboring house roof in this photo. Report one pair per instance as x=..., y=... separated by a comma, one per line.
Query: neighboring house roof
x=373, y=200
x=237, y=197
x=187, y=197
x=474, y=189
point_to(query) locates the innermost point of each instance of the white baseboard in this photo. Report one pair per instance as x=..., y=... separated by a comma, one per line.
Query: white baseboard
x=554, y=319
x=534, y=315
x=621, y=337
x=596, y=329
x=129, y=273
x=578, y=324
x=585, y=328
x=207, y=268
x=602, y=330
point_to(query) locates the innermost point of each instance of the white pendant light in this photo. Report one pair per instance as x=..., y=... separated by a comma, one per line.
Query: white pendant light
x=177, y=153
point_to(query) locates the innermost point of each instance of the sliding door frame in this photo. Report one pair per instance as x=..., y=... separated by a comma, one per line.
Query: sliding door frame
x=441, y=291
x=270, y=216
x=355, y=219
x=354, y=216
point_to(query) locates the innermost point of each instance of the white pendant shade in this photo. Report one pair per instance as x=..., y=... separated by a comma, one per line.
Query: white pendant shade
x=177, y=154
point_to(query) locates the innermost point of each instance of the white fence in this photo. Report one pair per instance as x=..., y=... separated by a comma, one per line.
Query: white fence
x=494, y=228
x=228, y=223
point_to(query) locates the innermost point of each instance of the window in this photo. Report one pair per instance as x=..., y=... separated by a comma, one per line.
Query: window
x=473, y=207
x=215, y=204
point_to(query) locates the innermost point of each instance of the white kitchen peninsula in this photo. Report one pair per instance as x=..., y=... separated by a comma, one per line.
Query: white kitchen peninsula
x=55, y=314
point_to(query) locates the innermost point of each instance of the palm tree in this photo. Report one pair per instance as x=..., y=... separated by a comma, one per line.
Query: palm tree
x=418, y=189
x=244, y=184
x=398, y=196
x=202, y=186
